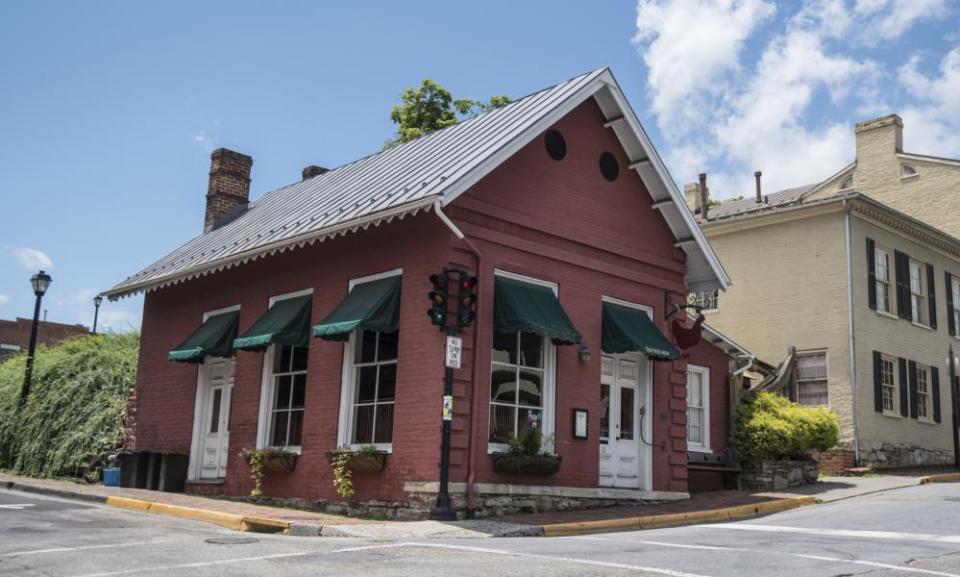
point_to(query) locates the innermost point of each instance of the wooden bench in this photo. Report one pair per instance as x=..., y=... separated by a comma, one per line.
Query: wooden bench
x=725, y=464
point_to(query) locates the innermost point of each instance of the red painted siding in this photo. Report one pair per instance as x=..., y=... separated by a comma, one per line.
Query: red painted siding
x=556, y=221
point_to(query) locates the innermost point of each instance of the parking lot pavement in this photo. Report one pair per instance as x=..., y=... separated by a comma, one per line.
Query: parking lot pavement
x=906, y=532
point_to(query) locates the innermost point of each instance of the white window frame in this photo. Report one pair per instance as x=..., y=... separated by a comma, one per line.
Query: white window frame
x=927, y=402
x=894, y=385
x=955, y=289
x=908, y=171
x=918, y=300
x=708, y=301
x=548, y=394
x=826, y=364
x=348, y=385
x=704, y=372
x=882, y=283
x=266, y=385
x=193, y=468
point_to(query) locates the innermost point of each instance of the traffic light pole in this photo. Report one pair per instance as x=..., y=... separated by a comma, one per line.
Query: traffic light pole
x=443, y=511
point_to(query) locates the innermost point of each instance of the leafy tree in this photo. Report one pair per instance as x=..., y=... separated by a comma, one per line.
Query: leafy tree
x=431, y=107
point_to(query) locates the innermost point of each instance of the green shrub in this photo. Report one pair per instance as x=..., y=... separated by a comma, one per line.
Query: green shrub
x=77, y=403
x=769, y=426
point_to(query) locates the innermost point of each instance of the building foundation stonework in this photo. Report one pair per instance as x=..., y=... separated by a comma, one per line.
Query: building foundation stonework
x=779, y=475
x=490, y=500
x=883, y=454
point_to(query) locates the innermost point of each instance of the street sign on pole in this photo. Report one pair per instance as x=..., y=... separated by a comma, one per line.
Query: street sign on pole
x=454, y=352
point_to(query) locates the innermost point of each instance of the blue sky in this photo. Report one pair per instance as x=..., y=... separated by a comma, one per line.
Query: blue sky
x=109, y=110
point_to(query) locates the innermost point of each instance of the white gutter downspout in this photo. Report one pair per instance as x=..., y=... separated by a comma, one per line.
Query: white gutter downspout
x=851, y=338
x=746, y=367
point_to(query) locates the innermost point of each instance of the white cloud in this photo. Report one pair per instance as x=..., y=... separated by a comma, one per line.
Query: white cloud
x=119, y=320
x=205, y=140
x=891, y=18
x=932, y=122
x=689, y=47
x=31, y=258
x=4, y=299
x=789, y=112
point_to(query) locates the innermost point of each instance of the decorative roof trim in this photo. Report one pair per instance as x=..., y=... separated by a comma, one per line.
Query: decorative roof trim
x=341, y=229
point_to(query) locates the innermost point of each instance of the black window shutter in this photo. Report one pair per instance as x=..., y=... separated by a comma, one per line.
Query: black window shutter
x=932, y=297
x=871, y=274
x=904, y=387
x=913, y=389
x=935, y=383
x=877, y=384
x=951, y=325
x=902, y=269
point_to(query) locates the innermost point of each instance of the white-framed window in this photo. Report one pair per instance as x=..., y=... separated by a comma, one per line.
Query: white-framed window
x=881, y=260
x=698, y=408
x=888, y=383
x=918, y=292
x=955, y=289
x=907, y=171
x=812, y=378
x=369, y=384
x=706, y=300
x=283, y=392
x=924, y=402
x=521, y=381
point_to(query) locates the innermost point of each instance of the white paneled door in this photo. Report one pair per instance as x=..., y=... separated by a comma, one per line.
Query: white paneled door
x=623, y=394
x=217, y=384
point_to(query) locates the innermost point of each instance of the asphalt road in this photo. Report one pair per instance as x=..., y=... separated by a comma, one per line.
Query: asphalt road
x=907, y=532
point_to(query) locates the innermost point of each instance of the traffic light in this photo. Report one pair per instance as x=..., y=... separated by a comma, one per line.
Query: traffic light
x=466, y=300
x=438, y=300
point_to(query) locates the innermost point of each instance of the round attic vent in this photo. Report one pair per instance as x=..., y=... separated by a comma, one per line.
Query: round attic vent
x=556, y=144
x=609, y=167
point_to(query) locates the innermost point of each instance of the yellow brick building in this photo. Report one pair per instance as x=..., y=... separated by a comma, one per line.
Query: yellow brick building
x=860, y=274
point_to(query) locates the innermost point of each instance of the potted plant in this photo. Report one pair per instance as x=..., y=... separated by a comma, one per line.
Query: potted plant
x=263, y=460
x=346, y=461
x=525, y=456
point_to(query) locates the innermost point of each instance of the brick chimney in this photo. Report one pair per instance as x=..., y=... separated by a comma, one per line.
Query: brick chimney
x=313, y=170
x=229, y=188
x=878, y=142
x=691, y=194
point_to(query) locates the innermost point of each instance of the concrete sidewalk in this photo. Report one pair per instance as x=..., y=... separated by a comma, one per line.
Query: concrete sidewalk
x=709, y=507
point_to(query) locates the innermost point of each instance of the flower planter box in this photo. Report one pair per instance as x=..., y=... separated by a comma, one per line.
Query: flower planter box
x=280, y=463
x=539, y=465
x=364, y=462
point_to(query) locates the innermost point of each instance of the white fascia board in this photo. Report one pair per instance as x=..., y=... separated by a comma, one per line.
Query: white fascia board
x=658, y=179
x=340, y=229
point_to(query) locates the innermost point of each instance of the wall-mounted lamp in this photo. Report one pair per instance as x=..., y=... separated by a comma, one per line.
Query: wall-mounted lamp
x=584, y=354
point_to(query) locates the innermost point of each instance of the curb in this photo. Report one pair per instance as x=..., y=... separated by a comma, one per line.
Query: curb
x=244, y=523
x=942, y=478
x=677, y=519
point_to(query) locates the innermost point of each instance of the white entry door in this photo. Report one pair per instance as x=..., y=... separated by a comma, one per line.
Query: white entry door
x=623, y=393
x=217, y=386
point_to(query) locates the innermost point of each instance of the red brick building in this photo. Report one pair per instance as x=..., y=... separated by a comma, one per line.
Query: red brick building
x=15, y=334
x=299, y=318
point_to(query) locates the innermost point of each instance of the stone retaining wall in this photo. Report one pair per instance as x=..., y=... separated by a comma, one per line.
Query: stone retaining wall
x=881, y=455
x=778, y=475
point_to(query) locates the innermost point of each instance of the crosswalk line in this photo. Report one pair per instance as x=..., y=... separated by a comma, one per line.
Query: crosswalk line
x=856, y=534
x=17, y=506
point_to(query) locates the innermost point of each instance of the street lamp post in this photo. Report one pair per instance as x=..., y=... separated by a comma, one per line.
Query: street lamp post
x=40, y=281
x=97, y=301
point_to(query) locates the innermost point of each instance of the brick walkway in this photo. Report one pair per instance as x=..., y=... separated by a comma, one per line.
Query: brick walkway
x=701, y=502
x=183, y=500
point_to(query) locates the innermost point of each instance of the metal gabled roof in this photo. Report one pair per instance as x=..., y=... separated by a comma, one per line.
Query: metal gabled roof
x=411, y=177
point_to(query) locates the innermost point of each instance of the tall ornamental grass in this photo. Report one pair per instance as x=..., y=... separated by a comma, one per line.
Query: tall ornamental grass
x=77, y=403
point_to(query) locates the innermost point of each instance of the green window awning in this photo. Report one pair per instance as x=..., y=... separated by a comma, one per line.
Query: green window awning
x=214, y=338
x=521, y=306
x=626, y=329
x=287, y=322
x=373, y=306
